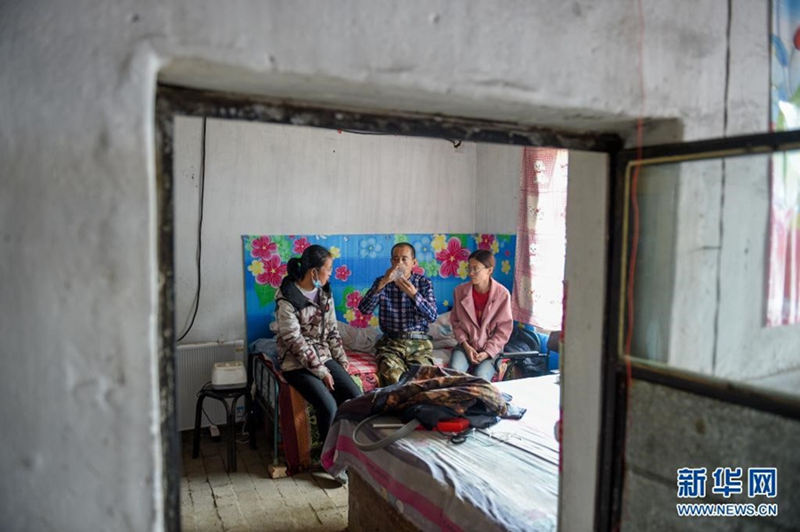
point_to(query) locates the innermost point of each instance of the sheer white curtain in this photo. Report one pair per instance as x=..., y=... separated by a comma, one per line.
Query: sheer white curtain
x=537, y=297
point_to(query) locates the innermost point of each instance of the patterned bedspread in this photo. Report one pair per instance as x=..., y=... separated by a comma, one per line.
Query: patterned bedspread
x=502, y=478
x=363, y=366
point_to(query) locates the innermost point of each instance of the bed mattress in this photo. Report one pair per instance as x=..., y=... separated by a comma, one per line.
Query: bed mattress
x=504, y=477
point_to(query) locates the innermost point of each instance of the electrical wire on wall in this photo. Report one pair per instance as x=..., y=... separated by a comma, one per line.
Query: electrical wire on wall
x=634, y=244
x=635, y=199
x=196, y=302
x=455, y=142
x=629, y=293
x=198, y=254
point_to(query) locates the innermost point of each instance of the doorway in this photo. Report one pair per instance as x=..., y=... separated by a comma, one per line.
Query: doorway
x=172, y=101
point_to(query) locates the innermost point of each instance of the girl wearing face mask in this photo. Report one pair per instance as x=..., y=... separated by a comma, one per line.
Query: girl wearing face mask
x=310, y=348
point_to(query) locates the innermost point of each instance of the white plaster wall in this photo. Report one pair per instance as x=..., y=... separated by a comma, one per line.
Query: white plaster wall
x=725, y=335
x=277, y=179
x=691, y=340
x=712, y=321
x=705, y=228
x=498, y=183
x=721, y=241
x=720, y=326
x=81, y=447
x=77, y=211
x=480, y=59
x=746, y=349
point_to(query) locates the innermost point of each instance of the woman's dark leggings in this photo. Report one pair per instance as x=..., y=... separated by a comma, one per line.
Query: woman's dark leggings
x=321, y=398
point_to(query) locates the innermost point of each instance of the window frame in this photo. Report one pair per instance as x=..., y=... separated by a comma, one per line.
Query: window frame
x=618, y=366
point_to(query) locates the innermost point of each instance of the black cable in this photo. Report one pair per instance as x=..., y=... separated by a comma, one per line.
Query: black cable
x=199, y=228
x=208, y=418
x=365, y=132
x=455, y=142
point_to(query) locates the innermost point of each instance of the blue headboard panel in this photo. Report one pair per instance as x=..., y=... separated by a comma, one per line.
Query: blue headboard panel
x=358, y=260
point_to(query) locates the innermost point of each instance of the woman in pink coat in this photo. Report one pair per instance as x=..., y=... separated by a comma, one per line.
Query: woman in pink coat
x=481, y=318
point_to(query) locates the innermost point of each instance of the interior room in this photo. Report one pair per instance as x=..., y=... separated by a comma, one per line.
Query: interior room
x=678, y=361
x=368, y=183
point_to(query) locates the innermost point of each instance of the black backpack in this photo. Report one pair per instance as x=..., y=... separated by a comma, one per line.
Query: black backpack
x=523, y=340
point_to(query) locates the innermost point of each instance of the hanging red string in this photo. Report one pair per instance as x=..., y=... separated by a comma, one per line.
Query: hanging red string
x=634, y=240
x=634, y=197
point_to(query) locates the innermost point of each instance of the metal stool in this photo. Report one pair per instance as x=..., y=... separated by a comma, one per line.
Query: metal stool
x=221, y=394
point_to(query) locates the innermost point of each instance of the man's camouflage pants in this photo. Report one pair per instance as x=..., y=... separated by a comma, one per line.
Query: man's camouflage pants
x=394, y=356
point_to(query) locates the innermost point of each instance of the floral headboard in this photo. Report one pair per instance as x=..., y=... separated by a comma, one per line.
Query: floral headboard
x=358, y=260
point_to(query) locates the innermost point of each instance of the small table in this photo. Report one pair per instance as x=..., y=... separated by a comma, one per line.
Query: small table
x=221, y=393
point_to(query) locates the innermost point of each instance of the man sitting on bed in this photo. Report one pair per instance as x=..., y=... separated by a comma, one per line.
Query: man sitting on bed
x=407, y=306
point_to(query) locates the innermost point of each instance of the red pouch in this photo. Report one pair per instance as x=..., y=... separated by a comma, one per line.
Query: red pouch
x=456, y=424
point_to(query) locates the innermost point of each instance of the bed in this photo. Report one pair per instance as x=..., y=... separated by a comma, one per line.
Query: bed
x=504, y=477
x=292, y=421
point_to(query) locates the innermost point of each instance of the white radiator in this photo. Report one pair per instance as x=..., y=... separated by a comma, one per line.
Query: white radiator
x=193, y=364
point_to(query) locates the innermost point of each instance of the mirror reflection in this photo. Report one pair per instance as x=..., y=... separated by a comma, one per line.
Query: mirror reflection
x=716, y=262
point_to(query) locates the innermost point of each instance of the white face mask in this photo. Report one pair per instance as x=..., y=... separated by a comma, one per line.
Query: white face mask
x=316, y=283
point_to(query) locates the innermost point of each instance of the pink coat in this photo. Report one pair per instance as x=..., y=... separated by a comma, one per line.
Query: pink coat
x=495, y=329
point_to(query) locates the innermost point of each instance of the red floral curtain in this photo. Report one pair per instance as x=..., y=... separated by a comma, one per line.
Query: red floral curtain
x=541, y=238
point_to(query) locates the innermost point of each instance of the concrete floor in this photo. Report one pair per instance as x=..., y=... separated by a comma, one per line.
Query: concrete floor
x=248, y=499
